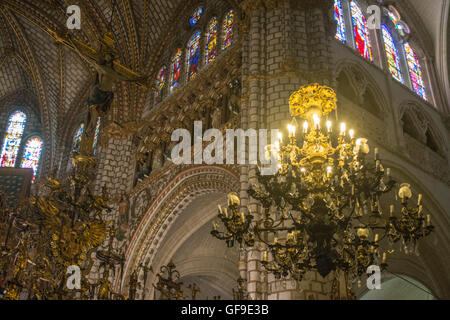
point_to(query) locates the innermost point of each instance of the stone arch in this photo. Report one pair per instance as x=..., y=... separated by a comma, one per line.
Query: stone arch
x=197, y=255
x=164, y=211
x=416, y=122
x=399, y=283
x=362, y=82
x=428, y=268
x=346, y=87
x=21, y=99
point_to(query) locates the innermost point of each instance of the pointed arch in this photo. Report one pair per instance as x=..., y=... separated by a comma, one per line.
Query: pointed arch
x=211, y=41
x=355, y=83
x=346, y=88
x=160, y=84
x=32, y=154
x=415, y=71
x=193, y=56
x=175, y=80
x=371, y=103
x=165, y=209
x=420, y=126
x=361, y=31
x=228, y=30
x=13, y=139
x=339, y=17
x=97, y=135
x=196, y=16
x=76, y=142
x=392, y=55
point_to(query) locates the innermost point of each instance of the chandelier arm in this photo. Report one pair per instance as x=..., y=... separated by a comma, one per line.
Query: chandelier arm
x=296, y=223
x=257, y=231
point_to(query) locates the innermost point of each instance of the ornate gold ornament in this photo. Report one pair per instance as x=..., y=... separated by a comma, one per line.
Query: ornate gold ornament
x=322, y=209
x=312, y=99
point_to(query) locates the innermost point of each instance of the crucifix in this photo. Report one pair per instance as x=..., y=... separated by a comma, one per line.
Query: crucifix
x=108, y=70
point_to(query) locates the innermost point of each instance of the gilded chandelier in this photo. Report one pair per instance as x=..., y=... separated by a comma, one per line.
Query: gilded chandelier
x=322, y=209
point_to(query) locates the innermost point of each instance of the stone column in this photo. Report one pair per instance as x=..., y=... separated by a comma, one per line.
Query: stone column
x=298, y=52
x=252, y=91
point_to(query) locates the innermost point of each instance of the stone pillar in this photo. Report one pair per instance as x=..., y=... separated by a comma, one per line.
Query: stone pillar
x=116, y=163
x=298, y=51
x=252, y=91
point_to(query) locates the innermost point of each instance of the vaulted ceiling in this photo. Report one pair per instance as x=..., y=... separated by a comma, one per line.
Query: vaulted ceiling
x=32, y=61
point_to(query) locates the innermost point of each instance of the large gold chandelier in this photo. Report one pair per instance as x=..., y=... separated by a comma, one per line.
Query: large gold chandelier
x=322, y=209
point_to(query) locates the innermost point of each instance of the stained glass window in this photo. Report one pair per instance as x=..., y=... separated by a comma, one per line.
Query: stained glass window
x=32, y=154
x=395, y=20
x=391, y=54
x=160, y=82
x=399, y=25
x=77, y=139
x=193, y=55
x=176, y=70
x=228, y=29
x=96, y=135
x=360, y=31
x=11, y=144
x=339, y=17
x=415, y=71
x=211, y=41
x=196, y=16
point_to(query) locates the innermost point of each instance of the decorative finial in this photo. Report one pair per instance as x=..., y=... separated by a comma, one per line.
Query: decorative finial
x=312, y=99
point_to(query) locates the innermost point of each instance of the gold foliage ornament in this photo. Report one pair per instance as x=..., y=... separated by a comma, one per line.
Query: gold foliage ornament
x=61, y=227
x=310, y=99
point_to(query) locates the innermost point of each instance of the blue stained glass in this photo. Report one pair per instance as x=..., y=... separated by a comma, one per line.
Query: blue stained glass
x=97, y=134
x=196, y=16
x=193, y=53
x=339, y=17
x=77, y=139
x=391, y=54
x=176, y=70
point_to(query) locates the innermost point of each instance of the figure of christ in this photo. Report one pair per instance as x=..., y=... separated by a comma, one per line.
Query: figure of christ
x=102, y=94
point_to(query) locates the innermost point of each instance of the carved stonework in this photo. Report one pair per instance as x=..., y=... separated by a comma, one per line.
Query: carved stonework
x=427, y=160
x=180, y=193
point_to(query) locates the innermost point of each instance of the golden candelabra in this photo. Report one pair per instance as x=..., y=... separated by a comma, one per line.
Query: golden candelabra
x=321, y=209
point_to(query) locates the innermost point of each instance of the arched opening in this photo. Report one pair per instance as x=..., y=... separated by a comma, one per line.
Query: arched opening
x=370, y=103
x=431, y=141
x=399, y=287
x=200, y=258
x=345, y=88
x=409, y=127
x=177, y=227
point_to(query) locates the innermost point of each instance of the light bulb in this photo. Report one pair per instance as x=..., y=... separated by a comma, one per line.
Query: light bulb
x=405, y=191
x=291, y=130
x=316, y=120
x=343, y=128
x=329, y=126
x=305, y=127
x=280, y=136
x=351, y=133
